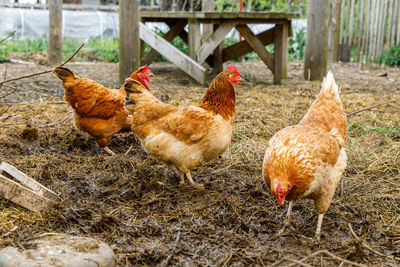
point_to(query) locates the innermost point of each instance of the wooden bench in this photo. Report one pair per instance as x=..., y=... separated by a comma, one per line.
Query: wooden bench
x=211, y=50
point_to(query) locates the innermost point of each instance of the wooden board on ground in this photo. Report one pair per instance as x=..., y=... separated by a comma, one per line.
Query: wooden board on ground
x=30, y=194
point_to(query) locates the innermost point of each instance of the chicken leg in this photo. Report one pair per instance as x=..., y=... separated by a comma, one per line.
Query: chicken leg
x=289, y=213
x=192, y=183
x=319, y=225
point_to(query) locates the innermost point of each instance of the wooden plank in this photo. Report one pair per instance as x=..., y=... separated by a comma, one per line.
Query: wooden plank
x=55, y=32
x=174, y=31
x=351, y=22
x=194, y=37
x=220, y=15
x=342, y=22
x=239, y=49
x=213, y=41
x=257, y=45
x=184, y=62
x=23, y=196
x=129, y=41
x=218, y=59
x=316, y=56
x=281, y=52
x=12, y=172
x=208, y=6
x=334, y=31
x=396, y=17
x=398, y=24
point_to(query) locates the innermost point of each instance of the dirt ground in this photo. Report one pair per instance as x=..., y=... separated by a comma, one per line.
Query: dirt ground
x=134, y=204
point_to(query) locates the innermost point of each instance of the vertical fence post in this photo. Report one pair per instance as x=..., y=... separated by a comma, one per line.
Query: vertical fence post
x=316, y=55
x=55, y=32
x=334, y=31
x=129, y=40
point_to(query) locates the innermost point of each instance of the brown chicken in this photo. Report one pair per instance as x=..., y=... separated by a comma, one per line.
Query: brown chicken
x=99, y=111
x=190, y=136
x=308, y=159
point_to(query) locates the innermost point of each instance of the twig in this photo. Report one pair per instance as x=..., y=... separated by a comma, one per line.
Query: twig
x=301, y=261
x=371, y=107
x=43, y=72
x=63, y=119
x=167, y=260
x=8, y=36
x=365, y=245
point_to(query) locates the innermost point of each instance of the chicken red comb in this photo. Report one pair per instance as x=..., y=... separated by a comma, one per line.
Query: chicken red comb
x=144, y=68
x=233, y=68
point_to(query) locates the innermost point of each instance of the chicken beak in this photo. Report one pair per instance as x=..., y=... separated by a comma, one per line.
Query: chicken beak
x=240, y=80
x=151, y=74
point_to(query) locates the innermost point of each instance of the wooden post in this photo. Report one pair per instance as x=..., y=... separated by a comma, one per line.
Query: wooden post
x=194, y=37
x=208, y=6
x=218, y=60
x=55, y=32
x=281, y=52
x=129, y=40
x=316, y=55
x=334, y=30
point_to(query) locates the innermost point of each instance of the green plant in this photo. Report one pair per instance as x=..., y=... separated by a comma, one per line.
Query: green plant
x=297, y=44
x=391, y=57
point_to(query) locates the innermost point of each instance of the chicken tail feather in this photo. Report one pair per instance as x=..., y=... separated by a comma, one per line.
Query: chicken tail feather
x=63, y=73
x=329, y=86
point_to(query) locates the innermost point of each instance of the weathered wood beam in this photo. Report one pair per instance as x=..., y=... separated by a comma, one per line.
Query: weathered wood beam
x=165, y=48
x=10, y=171
x=207, y=6
x=281, y=52
x=243, y=47
x=194, y=37
x=174, y=31
x=55, y=32
x=214, y=40
x=316, y=55
x=217, y=59
x=257, y=45
x=129, y=41
x=183, y=34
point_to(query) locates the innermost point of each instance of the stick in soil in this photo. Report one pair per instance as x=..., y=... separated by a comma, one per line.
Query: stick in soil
x=43, y=72
x=168, y=259
x=365, y=245
x=371, y=107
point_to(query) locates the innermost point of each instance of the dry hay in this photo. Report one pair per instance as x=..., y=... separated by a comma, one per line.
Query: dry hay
x=133, y=203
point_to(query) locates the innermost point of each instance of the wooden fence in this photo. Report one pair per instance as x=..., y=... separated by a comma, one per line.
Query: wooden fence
x=369, y=27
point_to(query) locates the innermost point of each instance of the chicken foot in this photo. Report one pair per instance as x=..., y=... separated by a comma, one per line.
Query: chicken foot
x=286, y=222
x=191, y=182
x=319, y=225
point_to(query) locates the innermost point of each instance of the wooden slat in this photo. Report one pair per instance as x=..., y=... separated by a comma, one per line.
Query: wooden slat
x=218, y=15
x=23, y=196
x=194, y=40
x=257, y=45
x=184, y=62
x=129, y=41
x=55, y=32
x=207, y=6
x=281, y=52
x=12, y=172
x=243, y=47
x=316, y=54
x=218, y=59
x=174, y=31
x=213, y=41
